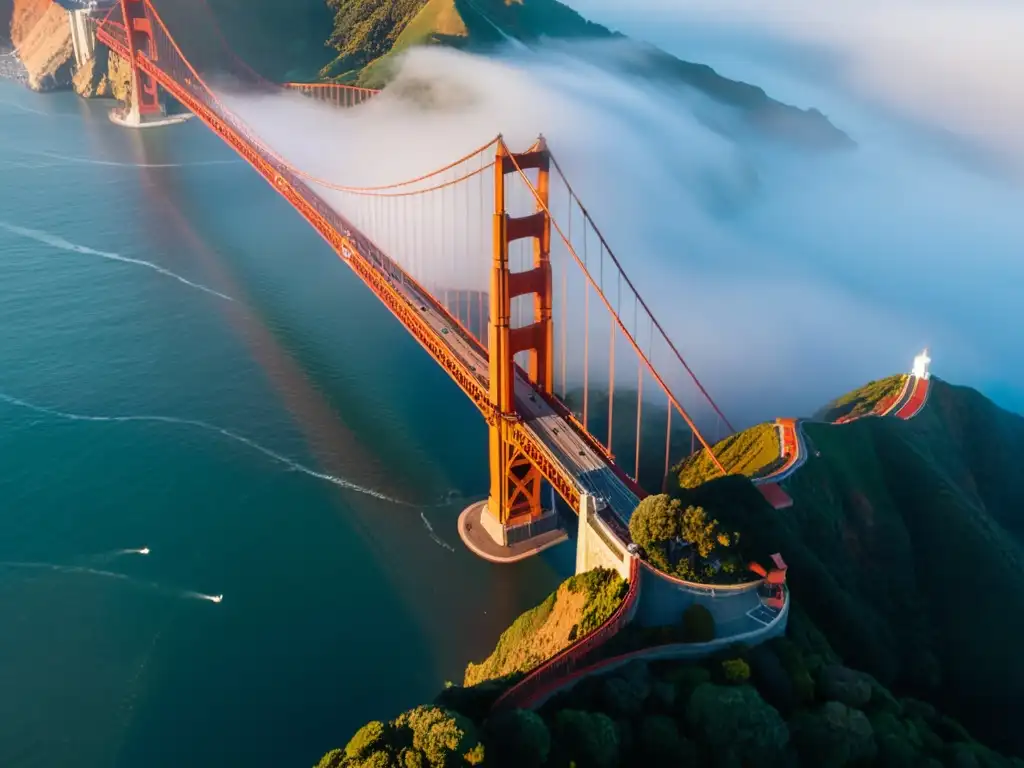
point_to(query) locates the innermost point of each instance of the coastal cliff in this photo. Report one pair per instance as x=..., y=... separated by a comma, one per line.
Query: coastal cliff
x=42, y=37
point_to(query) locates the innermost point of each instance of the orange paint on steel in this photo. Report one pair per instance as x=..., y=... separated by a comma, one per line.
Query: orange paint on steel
x=515, y=476
x=639, y=413
x=636, y=348
x=586, y=350
x=139, y=37
x=650, y=314
x=611, y=383
x=668, y=447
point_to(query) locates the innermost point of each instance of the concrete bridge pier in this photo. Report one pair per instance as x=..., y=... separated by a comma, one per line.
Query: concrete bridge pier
x=484, y=535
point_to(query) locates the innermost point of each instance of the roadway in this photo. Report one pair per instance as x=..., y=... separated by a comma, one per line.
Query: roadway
x=566, y=446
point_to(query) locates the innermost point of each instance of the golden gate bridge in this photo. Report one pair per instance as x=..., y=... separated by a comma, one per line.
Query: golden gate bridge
x=494, y=265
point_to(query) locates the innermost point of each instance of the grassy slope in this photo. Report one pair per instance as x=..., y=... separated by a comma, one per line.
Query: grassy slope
x=905, y=548
x=437, y=23
x=748, y=453
x=367, y=31
x=863, y=399
x=579, y=605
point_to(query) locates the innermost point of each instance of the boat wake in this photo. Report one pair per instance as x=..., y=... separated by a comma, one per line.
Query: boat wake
x=115, y=164
x=436, y=539
x=279, y=458
x=77, y=569
x=202, y=596
x=66, y=245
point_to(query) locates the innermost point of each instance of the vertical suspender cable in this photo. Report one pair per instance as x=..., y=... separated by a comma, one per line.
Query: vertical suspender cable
x=668, y=445
x=639, y=415
x=611, y=369
x=565, y=297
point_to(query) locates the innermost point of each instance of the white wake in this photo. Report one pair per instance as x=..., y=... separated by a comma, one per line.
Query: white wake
x=437, y=539
x=280, y=458
x=187, y=594
x=116, y=164
x=66, y=245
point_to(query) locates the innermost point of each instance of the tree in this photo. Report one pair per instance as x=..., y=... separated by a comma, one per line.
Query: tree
x=366, y=741
x=439, y=734
x=660, y=743
x=737, y=725
x=698, y=624
x=655, y=520
x=517, y=738
x=591, y=740
x=700, y=531
x=736, y=671
x=835, y=735
x=332, y=759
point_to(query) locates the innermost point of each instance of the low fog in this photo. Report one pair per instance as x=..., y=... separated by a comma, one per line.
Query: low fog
x=784, y=275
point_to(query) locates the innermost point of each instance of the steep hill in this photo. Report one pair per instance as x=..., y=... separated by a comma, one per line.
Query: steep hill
x=905, y=549
x=907, y=575
x=369, y=33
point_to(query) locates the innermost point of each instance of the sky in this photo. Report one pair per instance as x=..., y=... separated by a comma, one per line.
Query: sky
x=785, y=276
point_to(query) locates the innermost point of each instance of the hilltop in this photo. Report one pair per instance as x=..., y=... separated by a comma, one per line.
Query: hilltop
x=904, y=545
x=905, y=548
x=369, y=35
x=359, y=41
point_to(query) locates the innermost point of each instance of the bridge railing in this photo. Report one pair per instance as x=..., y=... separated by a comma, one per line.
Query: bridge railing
x=628, y=316
x=334, y=93
x=554, y=670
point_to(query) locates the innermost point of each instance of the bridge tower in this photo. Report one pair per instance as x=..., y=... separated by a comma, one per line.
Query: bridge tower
x=515, y=494
x=144, y=107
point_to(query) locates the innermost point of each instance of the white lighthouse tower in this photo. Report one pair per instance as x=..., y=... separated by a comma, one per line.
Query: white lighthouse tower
x=921, y=363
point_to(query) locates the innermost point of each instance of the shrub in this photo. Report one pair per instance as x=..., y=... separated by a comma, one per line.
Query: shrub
x=438, y=733
x=659, y=740
x=367, y=740
x=737, y=725
x=332, y=759
x=517, y=738
x=656, y=519
x=588, y=739
x=736, y=671
x=835, y=735
x=838, y=683
x=475, y=756
x=698, y=624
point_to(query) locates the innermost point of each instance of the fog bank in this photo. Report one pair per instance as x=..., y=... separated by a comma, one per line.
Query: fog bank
x=785, y=277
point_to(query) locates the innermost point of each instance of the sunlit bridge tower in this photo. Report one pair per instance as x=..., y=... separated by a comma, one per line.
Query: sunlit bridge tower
x=144, y=108
x=515, y=495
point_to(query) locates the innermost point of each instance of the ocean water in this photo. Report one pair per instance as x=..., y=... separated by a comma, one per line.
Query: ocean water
x=185, y=366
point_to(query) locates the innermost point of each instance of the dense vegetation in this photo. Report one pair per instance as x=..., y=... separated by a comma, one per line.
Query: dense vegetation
x=581, y=604
x=904, y=547
x=779, y=704
x=906, y=572
x=367, y=33
x=686, y=542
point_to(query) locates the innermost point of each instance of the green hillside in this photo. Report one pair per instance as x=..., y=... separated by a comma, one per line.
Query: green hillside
x=907, y=574
x=367, y=35
x=905, y=548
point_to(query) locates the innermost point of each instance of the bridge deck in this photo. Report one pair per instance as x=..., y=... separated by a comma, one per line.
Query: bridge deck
x=590, y=469
x=572, y=452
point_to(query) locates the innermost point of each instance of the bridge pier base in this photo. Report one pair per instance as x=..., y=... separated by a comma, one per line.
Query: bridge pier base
x=132, y=118
x=485, y=537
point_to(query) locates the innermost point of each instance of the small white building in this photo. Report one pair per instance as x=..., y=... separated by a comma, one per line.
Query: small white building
x=921, y=363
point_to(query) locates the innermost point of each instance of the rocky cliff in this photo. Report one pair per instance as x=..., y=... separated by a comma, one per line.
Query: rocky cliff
x=42, y=37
